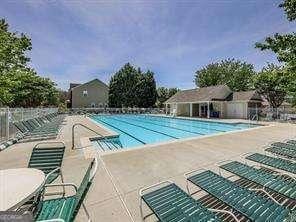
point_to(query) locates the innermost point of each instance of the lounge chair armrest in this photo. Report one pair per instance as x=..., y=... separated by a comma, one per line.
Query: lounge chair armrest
x=50, y=142
x=141, y=191
x=268, y=194
x=62, y=185
x=225, y=211
x=186, y=175
x=52, y=220
x=247, y=154
x=51, y=172
x=59, y=185
x=94, y=170
x=218, y=164
x=267, y=145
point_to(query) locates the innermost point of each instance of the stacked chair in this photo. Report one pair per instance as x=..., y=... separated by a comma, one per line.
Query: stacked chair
x=271, y=196
x=46, y=127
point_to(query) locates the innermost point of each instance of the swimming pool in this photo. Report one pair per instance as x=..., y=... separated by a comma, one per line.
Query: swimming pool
x=137, y=130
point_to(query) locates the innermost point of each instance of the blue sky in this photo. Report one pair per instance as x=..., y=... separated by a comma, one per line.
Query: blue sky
x=76, y=41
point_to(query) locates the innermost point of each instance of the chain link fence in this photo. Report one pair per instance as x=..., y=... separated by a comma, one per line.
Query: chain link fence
x=10, y=115
x=272, y=114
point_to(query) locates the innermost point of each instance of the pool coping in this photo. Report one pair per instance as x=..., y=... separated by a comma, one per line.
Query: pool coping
x=154, y=145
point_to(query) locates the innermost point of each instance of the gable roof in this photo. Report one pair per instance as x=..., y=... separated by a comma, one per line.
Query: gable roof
x=79, y=85
x=72, y=85
x=246, y=96
x=211, y=93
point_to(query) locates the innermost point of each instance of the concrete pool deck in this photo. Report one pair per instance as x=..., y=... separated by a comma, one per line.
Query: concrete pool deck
x=122, y=174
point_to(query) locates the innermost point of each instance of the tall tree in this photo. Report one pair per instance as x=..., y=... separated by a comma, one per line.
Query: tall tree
x=272, y=83
x=284, y=46
x=146, y=90
x=130, y=87
x=19, y=84
x=122, y=87
x=6, y=96
x=13, y=49
x=289, y=7
x=163, y=94
x=31, y=90
x=233, y=73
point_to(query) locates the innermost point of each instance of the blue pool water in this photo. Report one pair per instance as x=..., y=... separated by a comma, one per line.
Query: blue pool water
x=137, y=130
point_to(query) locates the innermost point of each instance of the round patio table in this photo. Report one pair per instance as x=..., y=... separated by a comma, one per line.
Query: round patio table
x=18, y=185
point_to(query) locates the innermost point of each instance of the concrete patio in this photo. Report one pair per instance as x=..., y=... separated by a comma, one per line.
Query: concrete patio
x=114, y=194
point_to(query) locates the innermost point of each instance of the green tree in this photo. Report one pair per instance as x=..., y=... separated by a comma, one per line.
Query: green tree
x=6, y=96
x=272, y=83
x=146, y=90
x=19, y=84
x=233, y=73
x=13, y=49
x=163, y=94
x=122, y=87
x=31, y=90
x=284, y=46
x=289, y=7
x=130, y=87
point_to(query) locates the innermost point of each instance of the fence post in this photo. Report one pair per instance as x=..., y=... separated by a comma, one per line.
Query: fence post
x=7, y=123
x=22, y=114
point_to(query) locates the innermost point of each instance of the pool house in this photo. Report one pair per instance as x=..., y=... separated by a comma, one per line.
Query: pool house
x=213, y=102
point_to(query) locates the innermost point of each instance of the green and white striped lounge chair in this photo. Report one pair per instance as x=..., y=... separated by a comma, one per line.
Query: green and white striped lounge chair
x=33, y=126
x=288, y=146
x=169, y=203
x=28, y=133
x=253, y=206
x=274, y=162
x=48, y=157
x=285, y=186
x=65, y=209
x=282, y=152
x=293, y=142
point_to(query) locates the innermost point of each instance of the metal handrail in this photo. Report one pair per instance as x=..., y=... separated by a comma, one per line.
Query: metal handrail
x=86, y=127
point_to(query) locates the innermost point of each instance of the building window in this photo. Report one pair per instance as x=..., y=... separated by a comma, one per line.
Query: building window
x=84, y=93
x=93, y=105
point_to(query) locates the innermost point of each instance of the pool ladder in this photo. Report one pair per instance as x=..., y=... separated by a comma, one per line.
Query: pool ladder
x=105, y=146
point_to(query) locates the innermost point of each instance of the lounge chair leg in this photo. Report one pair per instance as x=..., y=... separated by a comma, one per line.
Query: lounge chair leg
x=187, y=187
x=62, y=179
x=141, y=209
x=86, y=212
